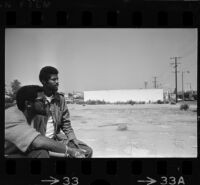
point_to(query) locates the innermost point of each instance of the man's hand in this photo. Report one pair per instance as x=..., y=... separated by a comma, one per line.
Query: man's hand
x=75, y=142
x=75, y=153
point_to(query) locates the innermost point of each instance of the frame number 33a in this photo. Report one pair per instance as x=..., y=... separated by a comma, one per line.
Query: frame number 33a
x=172, y=180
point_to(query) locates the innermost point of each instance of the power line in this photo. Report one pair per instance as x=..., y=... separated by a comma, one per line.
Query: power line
x=175, y=66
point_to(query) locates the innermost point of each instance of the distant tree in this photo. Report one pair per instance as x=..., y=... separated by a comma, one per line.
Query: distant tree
x=70, y=95
x=15, y=85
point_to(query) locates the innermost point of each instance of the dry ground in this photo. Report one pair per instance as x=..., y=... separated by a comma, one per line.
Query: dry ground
x=153, y=130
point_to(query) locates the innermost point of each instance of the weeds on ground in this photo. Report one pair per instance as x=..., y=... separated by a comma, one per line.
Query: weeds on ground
x=122, y=127
x=184, y=106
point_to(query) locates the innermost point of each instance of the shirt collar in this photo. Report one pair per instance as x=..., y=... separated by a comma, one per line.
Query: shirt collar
x=54, y=97
x=49, y=99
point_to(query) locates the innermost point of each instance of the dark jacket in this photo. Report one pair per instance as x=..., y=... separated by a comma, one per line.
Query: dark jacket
x=61, y=117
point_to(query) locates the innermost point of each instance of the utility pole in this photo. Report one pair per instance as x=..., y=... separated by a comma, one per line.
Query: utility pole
x=155, y=82
x=145, y=84
x=183, y=83
x=175, y=66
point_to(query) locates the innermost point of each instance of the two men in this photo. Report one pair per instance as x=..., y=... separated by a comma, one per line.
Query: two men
x=35, y=131
x=21, y=138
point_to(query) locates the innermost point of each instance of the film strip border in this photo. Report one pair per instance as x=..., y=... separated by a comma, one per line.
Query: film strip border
x=146, y=14
x=101, y=171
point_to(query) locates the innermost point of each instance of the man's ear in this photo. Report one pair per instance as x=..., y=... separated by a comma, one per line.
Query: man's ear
x=28, y=104
x=44, y=82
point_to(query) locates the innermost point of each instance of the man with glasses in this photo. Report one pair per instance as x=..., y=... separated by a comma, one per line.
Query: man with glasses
x=24, y=128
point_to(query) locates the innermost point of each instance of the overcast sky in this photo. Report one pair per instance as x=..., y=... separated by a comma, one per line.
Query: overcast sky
x=101, y=59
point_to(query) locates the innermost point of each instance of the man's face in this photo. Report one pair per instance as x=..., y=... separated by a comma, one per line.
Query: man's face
x=39, y=106
x=52, y=84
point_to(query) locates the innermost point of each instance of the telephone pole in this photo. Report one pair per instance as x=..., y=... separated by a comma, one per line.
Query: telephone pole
x=145, y=84
x=175, y=66
x=155, y=82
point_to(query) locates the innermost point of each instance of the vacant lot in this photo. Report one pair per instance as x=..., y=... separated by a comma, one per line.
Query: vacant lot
x=149, y=130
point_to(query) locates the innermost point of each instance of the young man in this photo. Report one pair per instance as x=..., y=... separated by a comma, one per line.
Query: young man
x=24, y=127
x=58, y=116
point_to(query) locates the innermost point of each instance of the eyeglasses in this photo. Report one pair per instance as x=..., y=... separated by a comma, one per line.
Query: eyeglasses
x=42, y=100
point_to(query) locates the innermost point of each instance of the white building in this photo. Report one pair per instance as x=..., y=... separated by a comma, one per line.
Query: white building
x=137, y=95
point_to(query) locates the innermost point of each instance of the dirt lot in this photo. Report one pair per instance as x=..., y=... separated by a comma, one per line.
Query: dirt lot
x=150, y=130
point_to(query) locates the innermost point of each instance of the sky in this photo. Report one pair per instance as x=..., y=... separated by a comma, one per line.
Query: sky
x=102, y=59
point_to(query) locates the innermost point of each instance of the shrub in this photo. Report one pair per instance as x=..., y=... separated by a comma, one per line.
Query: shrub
x=160, y=102
x=141, y=102
x=131, y=102
x=184, y=106
x=122, y=127
x=119, y=103
x=95, y=102
x=90, y=102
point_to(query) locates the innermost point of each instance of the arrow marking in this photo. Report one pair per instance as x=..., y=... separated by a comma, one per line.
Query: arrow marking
x=149, y=181
x=52, y=180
